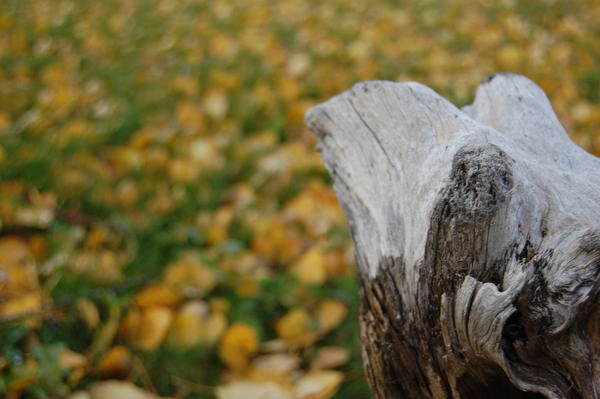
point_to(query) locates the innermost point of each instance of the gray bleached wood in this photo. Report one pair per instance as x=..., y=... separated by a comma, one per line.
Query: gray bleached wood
x=477, y=239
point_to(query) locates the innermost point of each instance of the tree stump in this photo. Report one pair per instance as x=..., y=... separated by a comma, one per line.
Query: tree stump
x=477, y=235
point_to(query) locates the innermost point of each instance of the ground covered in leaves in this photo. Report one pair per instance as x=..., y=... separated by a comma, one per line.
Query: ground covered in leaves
x=166, y=225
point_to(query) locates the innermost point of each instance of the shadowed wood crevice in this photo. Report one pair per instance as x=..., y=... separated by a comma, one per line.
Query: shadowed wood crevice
x=477, y=240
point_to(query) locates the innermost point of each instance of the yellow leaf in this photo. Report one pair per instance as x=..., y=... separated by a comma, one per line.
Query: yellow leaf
x=146, y=329
x=38, y=246
x=159, y=295
x=248, y=288
x=190, y=277
x=316, y=208
x=220, y=305
x=88, y=312
x=318, y=385
x=330, y=314
x=75, y=376
x=129, y=325
x=115, y=363
x=185, y=84
x=218, y=229
x=95, y=237
x=311, y=268
x=127, y=193
x=216, y=104
x=289, y=88
x=27, y=306
x=206, y=154
x=193, y=326
x=298, y=64
x=297, y=110
x=275, y=241
x=186, y=330
x=13, y=251
x=238, y=344
x=294, y=327
x=214, y=327
x=153, y=328
x=226, y=79
x=183, y=170
x=509, y=56
x=191, y=117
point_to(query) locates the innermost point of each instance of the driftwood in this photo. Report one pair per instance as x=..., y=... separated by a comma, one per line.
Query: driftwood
x=477, y=235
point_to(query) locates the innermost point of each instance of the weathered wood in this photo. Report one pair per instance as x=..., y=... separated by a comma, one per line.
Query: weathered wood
x=477, y=238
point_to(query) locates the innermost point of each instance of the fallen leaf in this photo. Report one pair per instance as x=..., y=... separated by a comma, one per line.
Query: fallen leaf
x=220, y=305
x=116, y=362
x=80, y=395
x=191, y=117
x=238, y=344
x=318, y=385
x=159, y=295
x=146, y=328
x=277, y=367
x=330, y=357
x=252, y=390
x=217, y=230
x=38, y=246
x=118, y=390
x=330, y=313
x=216, y=104
x=88, y=312
x=69, y=360
x=214, y=327
x=186, y=330
x=247, y=288
x=27, y=308
x=190, y=277
x=153, y=327
x=295, y=328
x=311, y=268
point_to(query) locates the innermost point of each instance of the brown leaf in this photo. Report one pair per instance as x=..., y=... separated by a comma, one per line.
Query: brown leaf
x=70, y=360
x=330, y=357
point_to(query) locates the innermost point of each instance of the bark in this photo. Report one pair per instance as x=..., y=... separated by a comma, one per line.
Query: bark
x=477, y=240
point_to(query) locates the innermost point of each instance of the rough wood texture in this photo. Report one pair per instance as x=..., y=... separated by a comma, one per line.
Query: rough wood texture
x=477, y=237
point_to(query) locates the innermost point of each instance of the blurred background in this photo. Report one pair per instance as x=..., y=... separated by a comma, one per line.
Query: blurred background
x=166, y=226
